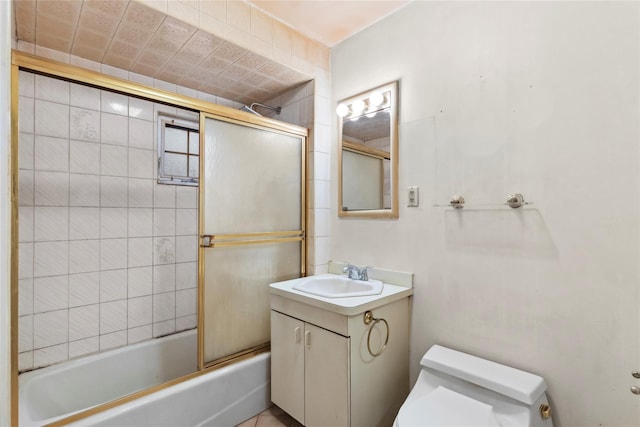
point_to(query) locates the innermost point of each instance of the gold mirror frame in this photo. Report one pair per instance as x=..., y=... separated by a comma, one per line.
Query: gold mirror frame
x=343, y=145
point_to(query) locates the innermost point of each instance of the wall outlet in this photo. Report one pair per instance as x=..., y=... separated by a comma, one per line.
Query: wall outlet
x=412, y=197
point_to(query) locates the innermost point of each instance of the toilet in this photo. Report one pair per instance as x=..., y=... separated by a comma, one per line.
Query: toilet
x=458, y=389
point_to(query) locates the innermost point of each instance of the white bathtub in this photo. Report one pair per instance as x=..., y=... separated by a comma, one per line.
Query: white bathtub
x=224, y=397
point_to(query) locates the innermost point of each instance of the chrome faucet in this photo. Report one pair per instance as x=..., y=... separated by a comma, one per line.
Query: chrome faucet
x=356, y=273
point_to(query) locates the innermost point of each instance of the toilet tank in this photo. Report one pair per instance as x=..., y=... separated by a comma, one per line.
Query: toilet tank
x=504, y=380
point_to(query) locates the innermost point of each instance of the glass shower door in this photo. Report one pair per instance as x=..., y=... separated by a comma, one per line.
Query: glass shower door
x=252, y=230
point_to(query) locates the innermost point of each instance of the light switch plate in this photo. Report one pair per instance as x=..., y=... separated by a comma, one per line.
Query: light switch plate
x=412, y=197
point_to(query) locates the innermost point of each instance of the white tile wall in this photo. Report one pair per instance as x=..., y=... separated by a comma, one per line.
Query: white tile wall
x=107, y=256
x=51, y=154
x=52, y=119
x=84, y=157
x=85, y=124
x=299, y=107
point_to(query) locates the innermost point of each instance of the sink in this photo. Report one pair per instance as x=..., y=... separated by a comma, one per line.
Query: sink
x=336, y=286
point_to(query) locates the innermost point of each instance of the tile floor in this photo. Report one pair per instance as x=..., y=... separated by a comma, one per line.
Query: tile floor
x=272, y=417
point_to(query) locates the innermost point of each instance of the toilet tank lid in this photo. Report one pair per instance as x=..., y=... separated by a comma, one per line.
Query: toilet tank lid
x=519, y=385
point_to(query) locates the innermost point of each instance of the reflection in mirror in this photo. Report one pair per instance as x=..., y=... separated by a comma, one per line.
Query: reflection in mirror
x=368, y=154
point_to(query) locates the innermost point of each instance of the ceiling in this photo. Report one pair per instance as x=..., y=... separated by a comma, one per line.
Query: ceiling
x=131, y=36
x=329, y=21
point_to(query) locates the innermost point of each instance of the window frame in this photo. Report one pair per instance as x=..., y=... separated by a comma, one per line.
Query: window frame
x=164, y=121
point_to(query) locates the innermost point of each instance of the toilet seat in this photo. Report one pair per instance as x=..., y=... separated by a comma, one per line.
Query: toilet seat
x=446, y=408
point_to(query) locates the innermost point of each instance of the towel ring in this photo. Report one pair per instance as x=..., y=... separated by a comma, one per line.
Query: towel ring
x=369, y=319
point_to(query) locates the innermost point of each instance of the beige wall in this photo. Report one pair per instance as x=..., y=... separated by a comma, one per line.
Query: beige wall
x=497, y=98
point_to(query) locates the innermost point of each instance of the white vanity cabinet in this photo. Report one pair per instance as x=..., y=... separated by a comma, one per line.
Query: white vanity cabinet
x=322, y=372
x=309, y=365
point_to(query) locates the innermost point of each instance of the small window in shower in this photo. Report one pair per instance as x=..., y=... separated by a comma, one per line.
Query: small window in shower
x=178, y=151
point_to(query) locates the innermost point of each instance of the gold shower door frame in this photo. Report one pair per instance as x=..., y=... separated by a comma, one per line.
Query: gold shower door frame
x=36, y=64
x=223, y=243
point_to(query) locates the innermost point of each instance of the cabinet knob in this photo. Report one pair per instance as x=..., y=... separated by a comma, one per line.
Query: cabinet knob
x=307, y=339
x=297, y=334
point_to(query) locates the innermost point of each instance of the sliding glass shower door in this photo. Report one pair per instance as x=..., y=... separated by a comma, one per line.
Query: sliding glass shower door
x=252, y=230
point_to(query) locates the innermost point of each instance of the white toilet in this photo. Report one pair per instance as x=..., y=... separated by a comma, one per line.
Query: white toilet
x=457, y=389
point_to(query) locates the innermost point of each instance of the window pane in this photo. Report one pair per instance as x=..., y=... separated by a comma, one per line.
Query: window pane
x=194, y=143
x=175, y=139
x=175, y=164
x=194, y=166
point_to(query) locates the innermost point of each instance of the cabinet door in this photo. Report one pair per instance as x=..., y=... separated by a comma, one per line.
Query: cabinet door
x=326, y=378
x=287, y=364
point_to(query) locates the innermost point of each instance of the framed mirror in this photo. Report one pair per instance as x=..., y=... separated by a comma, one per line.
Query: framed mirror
x=368, y=154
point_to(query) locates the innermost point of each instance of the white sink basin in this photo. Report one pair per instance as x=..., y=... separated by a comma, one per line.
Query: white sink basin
x=335, y=286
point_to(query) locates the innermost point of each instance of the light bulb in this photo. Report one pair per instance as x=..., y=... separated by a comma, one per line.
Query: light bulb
x=376, y=99
x=342, y=110
x=357, y=107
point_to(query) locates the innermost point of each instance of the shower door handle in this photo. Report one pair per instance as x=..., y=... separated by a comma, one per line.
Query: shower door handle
x=206, y=241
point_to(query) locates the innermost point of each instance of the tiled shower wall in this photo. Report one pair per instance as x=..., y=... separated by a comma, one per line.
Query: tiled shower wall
x=107, y=255
x=298, y=107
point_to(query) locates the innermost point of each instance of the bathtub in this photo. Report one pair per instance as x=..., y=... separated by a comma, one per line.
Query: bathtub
x=223, y=397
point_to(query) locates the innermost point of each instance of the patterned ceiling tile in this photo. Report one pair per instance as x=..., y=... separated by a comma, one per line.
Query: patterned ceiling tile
x=131, y=36
x=152, y=59
x=25, y=11
x=118, y=61
x=89, y=38
x=174, y=30
x=229, y=52
x=255, y=79
x=252, y=61
x=142, y=17
x=235, y=72
x=203, y=41
x=47, y=27
x=273, y=69
x=163, y=46
x=214, y=65
x=291, y=77
x=107, y=7
x=119, y=48
x=67, y=11
x=99, y=22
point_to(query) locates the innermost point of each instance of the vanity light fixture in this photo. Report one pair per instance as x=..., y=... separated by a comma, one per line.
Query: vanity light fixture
x=357, y=107
x=376, y=99
x=342, y=110
x=369, y=106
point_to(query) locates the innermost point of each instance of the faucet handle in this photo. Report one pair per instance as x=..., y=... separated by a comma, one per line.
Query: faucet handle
x=363, y=273
x=352, y=271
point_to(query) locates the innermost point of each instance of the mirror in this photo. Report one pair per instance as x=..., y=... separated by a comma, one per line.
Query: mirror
x=368, y=154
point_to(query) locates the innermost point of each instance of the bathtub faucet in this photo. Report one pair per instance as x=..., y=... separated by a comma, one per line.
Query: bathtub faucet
x=356, y=273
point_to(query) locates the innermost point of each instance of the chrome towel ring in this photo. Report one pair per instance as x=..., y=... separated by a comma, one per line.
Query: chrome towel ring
x=370, y=320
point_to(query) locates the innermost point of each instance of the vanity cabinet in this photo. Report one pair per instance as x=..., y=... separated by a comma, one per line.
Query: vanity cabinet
x=310, y=365
x=322, y=373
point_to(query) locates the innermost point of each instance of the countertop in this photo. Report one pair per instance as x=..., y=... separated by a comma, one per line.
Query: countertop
x=347, y=305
